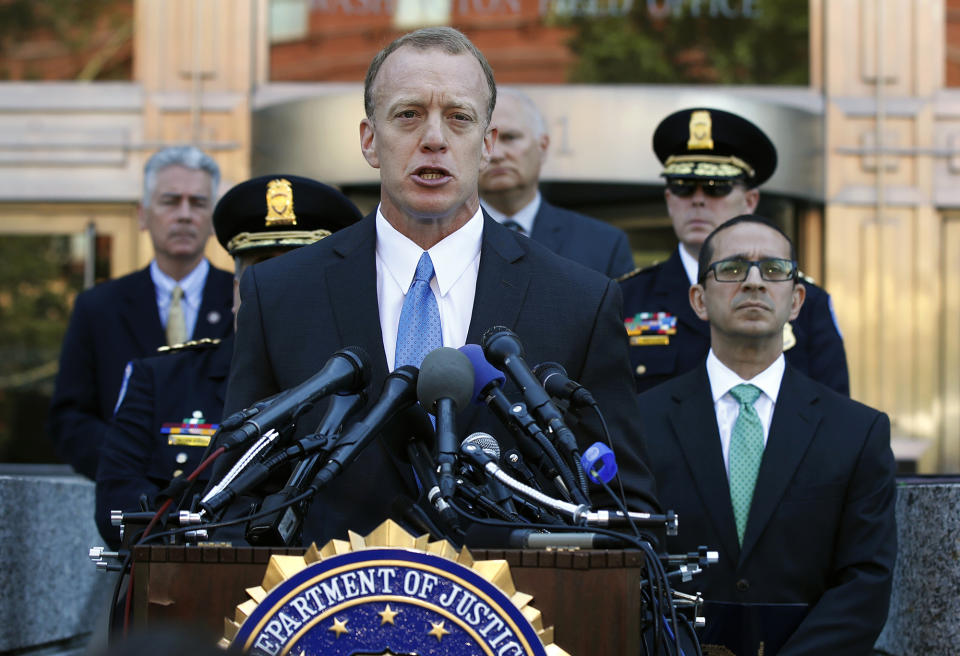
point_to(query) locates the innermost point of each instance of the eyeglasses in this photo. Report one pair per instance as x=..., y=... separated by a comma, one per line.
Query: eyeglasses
x=736, y=269
x=711, y=188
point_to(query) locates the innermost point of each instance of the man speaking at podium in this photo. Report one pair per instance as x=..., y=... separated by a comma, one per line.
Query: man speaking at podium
x=427, y=269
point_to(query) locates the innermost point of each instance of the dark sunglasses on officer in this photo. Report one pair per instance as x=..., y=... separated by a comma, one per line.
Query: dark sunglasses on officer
x=711, y=188
x=736, y=269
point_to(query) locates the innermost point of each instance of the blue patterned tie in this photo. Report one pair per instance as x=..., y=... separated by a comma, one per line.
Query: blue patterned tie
x=419, y=329
x=746, y=452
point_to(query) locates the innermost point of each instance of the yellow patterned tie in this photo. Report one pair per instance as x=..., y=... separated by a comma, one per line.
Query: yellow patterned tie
x=746, y=452
x=176, y=323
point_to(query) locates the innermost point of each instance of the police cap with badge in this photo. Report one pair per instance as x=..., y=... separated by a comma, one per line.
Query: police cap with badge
x=260, y=216
x=279, y=212
x=711, y=146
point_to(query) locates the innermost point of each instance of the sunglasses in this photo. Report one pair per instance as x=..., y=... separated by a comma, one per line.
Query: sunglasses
x=736, y=269
x=711, y=188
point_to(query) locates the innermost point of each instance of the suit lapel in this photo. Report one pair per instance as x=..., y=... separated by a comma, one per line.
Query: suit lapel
x=794, y=423
x=139, y=313
x=672, y=284
x=502, y=281
x=693, y=417
x=213, y=318
x=352, y=285
x=547, y=229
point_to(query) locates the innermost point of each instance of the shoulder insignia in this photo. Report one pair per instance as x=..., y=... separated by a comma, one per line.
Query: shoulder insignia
x=629, y=274
x=639, y=270
x=805, y=278
x=789, y=339
x=193, y=344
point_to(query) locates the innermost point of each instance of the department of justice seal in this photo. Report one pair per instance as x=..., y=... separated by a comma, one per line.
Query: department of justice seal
x=388, y=593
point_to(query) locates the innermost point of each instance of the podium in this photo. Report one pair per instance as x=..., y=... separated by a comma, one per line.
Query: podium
x=592, y=598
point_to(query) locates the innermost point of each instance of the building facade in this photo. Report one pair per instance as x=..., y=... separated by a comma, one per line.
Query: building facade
x=858, y=96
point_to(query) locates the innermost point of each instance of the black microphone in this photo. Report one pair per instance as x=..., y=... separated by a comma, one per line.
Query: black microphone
x=481, y=536
x=529, y=437
x=445, y=385
x=280, y=527
x=254, y=469
x=554, y=379
x=504, y=351
x=399, y=392
x=347, y=370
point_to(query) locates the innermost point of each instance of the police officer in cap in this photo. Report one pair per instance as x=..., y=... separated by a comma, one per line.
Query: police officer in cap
x=170, y=404
x=714, y=161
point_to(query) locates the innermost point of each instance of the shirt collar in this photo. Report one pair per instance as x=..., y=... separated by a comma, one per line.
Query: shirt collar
x=524, y=218
x=191, y=284
x=690, y=264
x=451, y=256
x=723, y=379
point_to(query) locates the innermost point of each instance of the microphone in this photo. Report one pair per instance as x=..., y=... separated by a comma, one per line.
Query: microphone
x=578, y=513
x=347, y=370
x=250, y=470
x=445, y=384
x=399, y=392
x=554, y=379
x=481, y=536
x=491, y=447
x=503, y=349
x=279, y=527
x=529, y=437
x=425, y=469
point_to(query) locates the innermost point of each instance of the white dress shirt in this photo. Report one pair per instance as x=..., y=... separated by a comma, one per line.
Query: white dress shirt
x=192, y=285
x=456, y=260
x=690, y=264
x=723, y=379
x=524, y=217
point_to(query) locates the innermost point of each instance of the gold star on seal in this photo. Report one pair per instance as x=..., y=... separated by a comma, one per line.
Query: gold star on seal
x=438, y=631
x=339, y=627
x=387, y=615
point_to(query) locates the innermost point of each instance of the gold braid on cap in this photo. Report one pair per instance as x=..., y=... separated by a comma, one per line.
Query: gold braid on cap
x=247, y=240
x=723, y=165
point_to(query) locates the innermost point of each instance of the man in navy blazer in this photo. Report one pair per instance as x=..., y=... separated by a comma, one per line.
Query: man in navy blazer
x=428, y=97
x=127, y=318
x=809, y=559
x=509, y=192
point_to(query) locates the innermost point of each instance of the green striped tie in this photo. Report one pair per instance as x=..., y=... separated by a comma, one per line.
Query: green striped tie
x=746, y=452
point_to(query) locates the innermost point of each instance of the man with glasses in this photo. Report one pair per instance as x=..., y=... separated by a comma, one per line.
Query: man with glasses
x=791, y=482
x=714, y=162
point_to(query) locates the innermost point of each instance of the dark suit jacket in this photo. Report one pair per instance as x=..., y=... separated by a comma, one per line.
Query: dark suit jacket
x=111, y=324
x=297, y=309
x=136, y=457
x=585, y=240
x=821, y=528
x=664, y=287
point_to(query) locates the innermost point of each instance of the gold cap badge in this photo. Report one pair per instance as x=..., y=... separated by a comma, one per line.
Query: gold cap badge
x=701, y=131
x=280, y=203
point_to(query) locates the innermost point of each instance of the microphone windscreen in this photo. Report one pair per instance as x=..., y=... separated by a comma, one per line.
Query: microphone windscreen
x=486, y=443
x=446, y=373
x=362, y=360
x=484, y=373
